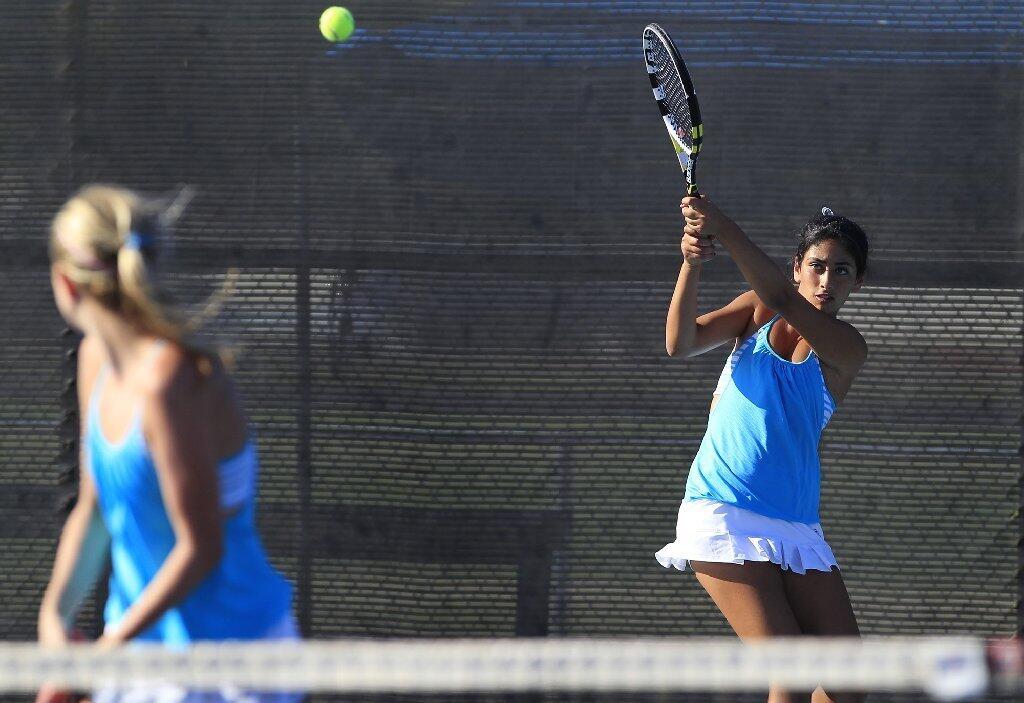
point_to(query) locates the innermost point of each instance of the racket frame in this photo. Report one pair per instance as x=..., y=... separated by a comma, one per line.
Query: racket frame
x=687, y=156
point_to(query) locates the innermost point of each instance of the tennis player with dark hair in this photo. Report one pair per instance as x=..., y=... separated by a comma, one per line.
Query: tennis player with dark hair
x=748, y=524
x=168, y=480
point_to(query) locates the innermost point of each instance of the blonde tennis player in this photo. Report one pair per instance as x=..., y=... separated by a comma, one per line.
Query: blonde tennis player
x=169, y=466
x=748, y=524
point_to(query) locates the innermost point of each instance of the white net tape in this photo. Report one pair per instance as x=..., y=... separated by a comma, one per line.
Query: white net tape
x=945, y=667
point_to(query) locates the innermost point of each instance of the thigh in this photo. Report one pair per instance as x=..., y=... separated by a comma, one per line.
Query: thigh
x=822, y=606
x=752, y=597
x=820, y=603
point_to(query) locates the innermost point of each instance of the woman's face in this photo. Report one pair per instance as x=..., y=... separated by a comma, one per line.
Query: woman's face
x=827, y=275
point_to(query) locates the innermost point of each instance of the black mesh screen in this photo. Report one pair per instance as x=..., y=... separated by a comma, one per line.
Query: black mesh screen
x=457, y=237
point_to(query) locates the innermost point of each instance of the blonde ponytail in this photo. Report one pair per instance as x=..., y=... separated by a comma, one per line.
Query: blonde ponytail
x=141, y=300
x=105, y=239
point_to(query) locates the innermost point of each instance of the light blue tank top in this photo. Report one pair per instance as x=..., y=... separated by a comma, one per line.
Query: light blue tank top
x=241, y=598
x=760, y=451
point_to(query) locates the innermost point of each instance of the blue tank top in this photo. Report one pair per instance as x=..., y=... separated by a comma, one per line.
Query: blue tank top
x=760, y=451
x=241, y=598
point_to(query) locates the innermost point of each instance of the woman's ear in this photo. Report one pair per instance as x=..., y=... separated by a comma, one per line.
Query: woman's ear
x=796, y=270
x=64, y=285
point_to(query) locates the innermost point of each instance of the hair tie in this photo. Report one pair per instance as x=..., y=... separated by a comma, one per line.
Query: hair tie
x=137, y=240
x=827, y=211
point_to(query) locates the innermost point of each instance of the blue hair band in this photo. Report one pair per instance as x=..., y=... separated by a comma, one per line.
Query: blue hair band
x=137, y=240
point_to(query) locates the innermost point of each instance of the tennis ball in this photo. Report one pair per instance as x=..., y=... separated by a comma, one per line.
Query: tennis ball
x=337, y=24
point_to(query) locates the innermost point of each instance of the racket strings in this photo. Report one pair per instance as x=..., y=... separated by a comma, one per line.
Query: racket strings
x=674, y=100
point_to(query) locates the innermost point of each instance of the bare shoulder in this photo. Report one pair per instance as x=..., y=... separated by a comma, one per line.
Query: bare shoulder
x=754, y=311
x=857, y=339
x=855, y=350
x=174, y=372
x=855, y=331
x=747, y=301
x=761, y=315
x=839, y=378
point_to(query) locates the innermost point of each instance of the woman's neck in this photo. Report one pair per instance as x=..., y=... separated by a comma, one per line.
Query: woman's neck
x=123, y=343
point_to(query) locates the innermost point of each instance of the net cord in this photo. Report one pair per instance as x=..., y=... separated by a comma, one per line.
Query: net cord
x=947, y=667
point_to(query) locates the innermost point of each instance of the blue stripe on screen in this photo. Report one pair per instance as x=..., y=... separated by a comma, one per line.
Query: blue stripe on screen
x=993, y=33
x=742, y=48
x=936, y=16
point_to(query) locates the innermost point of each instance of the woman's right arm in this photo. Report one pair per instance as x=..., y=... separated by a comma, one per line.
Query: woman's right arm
x=688, y=335
x=84, y=541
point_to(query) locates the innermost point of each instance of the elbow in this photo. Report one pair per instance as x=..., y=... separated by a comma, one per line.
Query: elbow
x=676, y=349
x=204, y=555
x=677, y=343
x=671, y=341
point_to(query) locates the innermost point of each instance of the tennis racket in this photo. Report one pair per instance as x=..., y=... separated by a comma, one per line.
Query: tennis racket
x=677, y=101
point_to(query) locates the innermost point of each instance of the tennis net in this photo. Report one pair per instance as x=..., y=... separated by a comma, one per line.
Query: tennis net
x=944, y=668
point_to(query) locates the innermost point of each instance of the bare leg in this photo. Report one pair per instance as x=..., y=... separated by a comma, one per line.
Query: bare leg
x=822, y=607
x=752, y=597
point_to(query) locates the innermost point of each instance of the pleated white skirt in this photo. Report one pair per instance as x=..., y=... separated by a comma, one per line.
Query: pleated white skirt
x=707, y=530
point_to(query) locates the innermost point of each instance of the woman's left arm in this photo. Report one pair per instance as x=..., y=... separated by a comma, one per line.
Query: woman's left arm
x=179, y=440
x=837, y=343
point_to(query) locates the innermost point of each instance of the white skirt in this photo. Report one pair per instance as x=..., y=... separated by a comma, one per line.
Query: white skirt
x=707, y=530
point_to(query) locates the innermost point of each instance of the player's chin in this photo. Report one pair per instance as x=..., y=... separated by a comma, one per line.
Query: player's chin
x=832, y=307
x=826, y=304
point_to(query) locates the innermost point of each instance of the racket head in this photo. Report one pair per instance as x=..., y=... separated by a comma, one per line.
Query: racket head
x=676, y=99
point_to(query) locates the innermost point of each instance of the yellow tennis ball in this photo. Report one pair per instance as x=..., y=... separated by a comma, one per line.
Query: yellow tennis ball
x=337, y=24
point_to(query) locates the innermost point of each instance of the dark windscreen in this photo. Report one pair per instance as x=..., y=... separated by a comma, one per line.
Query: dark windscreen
x=457, y=236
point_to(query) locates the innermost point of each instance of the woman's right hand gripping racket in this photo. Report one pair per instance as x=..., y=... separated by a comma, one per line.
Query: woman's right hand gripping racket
x=673, y=91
